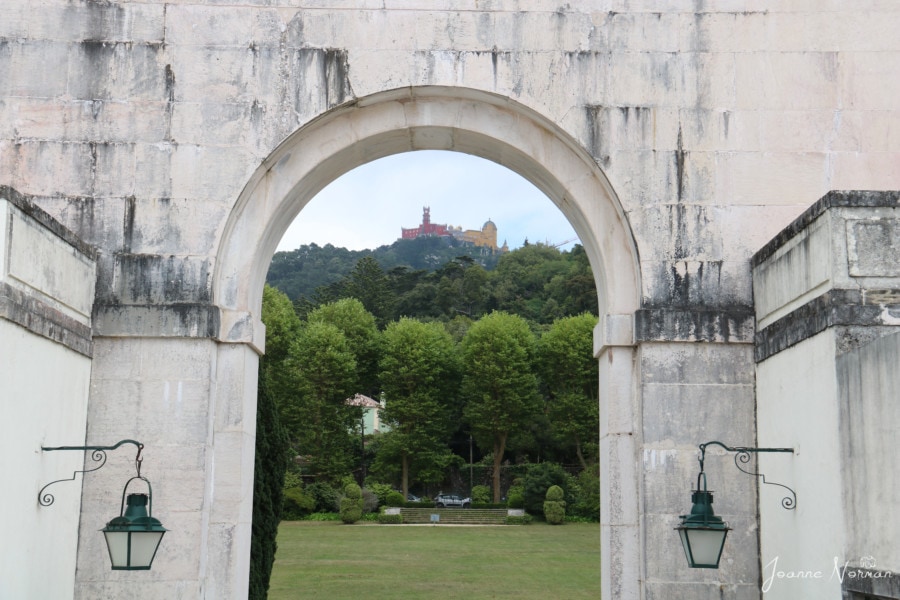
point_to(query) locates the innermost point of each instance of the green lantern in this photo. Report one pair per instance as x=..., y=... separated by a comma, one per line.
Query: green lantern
x=133, y=537
x=702, y=532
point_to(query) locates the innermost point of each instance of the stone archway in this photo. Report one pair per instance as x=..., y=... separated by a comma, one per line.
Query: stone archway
x=491, y=127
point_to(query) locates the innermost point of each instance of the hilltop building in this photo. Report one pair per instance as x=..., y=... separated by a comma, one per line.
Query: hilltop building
x=486, y=237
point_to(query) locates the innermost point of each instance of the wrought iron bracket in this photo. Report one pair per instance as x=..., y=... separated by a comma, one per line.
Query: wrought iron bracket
x=742, y=456
x=98, y=454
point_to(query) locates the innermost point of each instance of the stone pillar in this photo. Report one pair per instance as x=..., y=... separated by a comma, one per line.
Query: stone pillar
x=696, y=384
x=827, y=294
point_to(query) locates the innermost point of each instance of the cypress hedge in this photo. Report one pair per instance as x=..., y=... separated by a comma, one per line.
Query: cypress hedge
x=271, y=463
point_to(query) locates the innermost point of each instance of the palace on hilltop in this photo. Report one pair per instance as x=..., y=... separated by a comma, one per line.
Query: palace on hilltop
x=486, y=237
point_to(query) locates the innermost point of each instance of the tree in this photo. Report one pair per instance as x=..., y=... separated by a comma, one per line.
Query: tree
x=271, y=461
x=499, y=386
x=368, y=284
x=420, y=379
x=569, y=373
x=271, y=457
x=359, y=328
x=323, y=371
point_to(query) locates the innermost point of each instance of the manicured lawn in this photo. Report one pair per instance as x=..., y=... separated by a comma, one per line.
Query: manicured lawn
x=382, y=562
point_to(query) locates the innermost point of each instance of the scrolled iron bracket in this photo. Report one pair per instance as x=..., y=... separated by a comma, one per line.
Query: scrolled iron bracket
x=98, y=454
x=742, y=456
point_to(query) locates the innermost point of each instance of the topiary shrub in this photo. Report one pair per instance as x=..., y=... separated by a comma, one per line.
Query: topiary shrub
x=555, y=506
x=395, y=498
x=351, y=504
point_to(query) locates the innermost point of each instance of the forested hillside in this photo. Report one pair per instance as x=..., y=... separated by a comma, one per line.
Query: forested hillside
x=298, y=273
x=438, y=279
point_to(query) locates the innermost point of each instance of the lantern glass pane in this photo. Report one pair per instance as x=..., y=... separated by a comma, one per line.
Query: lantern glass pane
x=143, y=547
x=706, y=545
x=117, y=543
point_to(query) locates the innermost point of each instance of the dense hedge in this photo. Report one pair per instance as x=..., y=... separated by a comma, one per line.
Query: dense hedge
x=522, y=520
x=390, y=519
x=489, y=505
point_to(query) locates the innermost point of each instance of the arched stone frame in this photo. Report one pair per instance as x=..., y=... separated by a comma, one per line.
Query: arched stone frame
x=485, y=125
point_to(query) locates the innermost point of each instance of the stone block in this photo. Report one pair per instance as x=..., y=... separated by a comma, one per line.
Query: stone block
x=866, y=83
x=697, y=364
x=779, y=81
x=177, y=225
x=185, y=403
x=45, y=168
x=225, y=74
x=872, y=170
x=689, y=414
x=117, y=71
x=618, y=480
x=772, y=179
x=617, y=399
x=236, y=383
x=232, y=481
x=209, y=26
x=209, y=173
x=210, y=124
x=153, y=164
x=621, y=543
x=22, y=79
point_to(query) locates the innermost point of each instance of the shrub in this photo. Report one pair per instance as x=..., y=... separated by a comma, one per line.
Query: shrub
x=395, y=498
x=488, y=505
x=327, y=499
x=351, y=504
x=297, y=504
x=587, y=498
x=516, y=500
x=390, y=519
x=481, y=494
x=555, y=494
x=370, y=501
x=419, y=504
x=323, y=516
x=538, y=480
x=555, y=506
x=381, y=490
x=523, y=520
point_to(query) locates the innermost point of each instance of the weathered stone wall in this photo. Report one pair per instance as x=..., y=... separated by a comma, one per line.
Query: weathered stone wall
x=138, y=125
x=46, y=292
x=828, y=307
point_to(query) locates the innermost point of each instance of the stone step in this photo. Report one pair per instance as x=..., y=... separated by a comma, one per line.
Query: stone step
x=455, y=516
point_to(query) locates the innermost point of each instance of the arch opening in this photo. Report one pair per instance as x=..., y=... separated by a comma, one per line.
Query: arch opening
x=493, y=128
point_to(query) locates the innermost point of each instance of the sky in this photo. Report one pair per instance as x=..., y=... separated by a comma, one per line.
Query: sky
x=366, y=207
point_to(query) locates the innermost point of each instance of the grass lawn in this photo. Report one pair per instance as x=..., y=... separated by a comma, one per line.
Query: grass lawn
x=333, y=561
